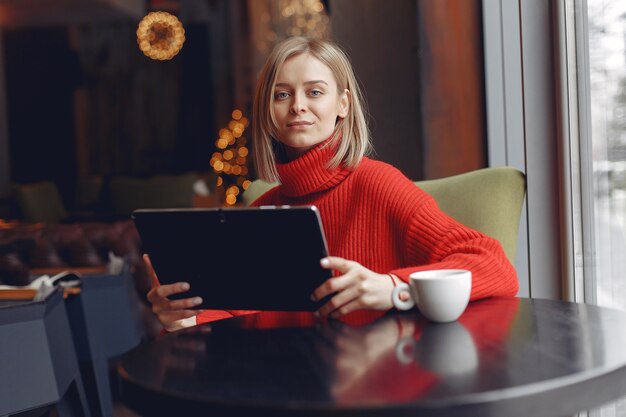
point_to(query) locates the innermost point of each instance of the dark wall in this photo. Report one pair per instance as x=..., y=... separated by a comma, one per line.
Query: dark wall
x=84, y=101
x=451, y=86
x=41, y=75
x=196, y=128
x=381, y=39
x=141, y=116
x=420, y=62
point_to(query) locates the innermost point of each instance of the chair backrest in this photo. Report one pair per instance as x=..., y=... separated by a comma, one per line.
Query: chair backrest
x=38, y=361
x=255, y=190
x=162, y=191
x=40, y=202
x=488, y=200
x=102, y=333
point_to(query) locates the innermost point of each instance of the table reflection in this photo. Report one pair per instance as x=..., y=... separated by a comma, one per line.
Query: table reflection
x=502, y=354
x=364, y=358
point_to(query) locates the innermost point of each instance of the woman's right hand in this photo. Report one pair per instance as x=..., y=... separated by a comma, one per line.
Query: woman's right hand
x=173, y=314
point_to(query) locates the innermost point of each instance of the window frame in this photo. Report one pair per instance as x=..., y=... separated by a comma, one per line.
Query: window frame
x=523, y=131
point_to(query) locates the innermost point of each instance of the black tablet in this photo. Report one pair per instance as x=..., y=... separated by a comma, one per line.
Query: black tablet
x=265, y=258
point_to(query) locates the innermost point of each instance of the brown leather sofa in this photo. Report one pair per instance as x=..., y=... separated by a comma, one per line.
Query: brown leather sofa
x=48, y=238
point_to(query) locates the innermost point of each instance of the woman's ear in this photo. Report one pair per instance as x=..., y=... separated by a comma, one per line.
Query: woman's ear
x=344, y=104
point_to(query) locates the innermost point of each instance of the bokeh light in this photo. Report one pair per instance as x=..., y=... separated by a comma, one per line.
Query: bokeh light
x=231, y=163
x=160, y=35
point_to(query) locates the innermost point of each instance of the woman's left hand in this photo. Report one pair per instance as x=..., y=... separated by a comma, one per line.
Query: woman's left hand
x=356, y=288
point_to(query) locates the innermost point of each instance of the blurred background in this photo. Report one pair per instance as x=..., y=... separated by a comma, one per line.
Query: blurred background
x=82, y=106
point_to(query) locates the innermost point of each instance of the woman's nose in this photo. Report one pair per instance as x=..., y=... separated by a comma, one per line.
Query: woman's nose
x=298, y=105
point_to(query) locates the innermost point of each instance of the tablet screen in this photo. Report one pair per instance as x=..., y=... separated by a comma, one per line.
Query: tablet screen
x=262, y=258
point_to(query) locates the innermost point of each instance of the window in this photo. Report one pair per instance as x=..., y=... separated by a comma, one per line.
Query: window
x=555, y=76
x=606, y=23
x=599, y=68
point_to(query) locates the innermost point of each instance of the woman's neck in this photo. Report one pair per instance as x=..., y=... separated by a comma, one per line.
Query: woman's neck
x=287, y=153
x=291, y=154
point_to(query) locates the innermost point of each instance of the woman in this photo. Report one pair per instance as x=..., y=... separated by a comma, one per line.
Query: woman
x=310, y=134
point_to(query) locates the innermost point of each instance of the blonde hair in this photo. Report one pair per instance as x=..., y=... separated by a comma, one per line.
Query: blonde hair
x=351, y=131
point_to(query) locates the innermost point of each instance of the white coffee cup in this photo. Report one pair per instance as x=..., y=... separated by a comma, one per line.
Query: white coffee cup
x=441, y=295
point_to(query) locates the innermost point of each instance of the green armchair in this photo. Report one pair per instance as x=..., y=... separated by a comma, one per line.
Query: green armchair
x=40, y=202
x=488, y=200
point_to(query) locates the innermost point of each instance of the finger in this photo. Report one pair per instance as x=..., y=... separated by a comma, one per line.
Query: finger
x=331, y=286
x=342, y=298
x=168, y=318
x=344, y=266
x=166, y=290
x=173, y=305
x=153, y=278
x=346, y=309
x=338, y=264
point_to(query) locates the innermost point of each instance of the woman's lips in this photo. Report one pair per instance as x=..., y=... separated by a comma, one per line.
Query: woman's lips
x=299, y=124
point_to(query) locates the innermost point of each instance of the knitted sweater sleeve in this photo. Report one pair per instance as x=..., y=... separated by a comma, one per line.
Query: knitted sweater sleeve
x=434, y=240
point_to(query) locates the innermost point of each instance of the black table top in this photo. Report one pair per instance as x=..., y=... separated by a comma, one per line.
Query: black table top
x=503, y=357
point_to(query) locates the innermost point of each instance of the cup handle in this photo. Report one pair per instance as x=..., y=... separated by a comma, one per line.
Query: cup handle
x=405, y=350
x=395, y=297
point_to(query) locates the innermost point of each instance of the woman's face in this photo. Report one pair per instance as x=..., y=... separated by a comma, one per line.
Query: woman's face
x=306, y=104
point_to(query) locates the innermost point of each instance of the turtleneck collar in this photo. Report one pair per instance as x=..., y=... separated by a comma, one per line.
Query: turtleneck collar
x=309, y=172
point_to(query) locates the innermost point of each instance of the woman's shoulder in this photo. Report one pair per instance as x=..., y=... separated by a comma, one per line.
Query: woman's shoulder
x=393, y=191
x=387, y=183
x=374, y=171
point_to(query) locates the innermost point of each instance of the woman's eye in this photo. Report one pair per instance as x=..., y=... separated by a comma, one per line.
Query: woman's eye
x=281, y=95
x=316, y=93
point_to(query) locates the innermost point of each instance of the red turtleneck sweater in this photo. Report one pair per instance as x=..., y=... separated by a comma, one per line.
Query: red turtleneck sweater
x=377, y=217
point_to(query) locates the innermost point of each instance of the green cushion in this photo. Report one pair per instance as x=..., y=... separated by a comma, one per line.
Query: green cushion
x=488, y=200
x=255, y=190
x=161, y=191
x=40, y=202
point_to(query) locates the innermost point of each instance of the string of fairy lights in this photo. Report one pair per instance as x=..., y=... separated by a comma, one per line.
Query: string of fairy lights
x=230, y=160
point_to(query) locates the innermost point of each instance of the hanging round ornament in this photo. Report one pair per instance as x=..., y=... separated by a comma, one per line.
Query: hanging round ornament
x=160, y=35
